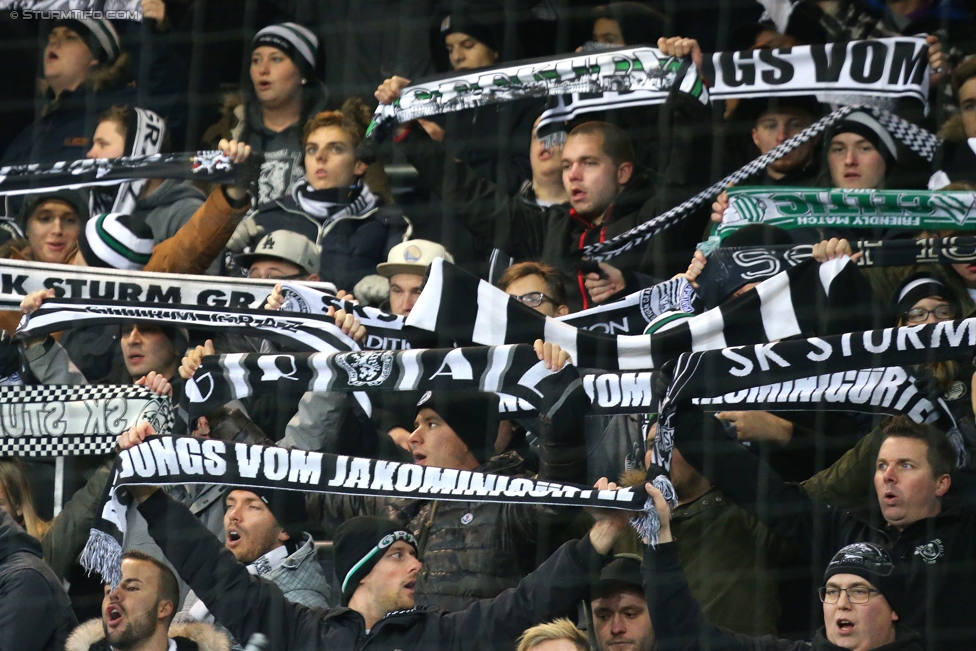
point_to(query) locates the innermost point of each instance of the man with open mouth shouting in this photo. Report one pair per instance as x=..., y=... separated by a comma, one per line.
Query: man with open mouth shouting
x=137, y=614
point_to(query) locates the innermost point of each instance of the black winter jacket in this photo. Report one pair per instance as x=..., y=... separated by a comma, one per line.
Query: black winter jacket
x=35, y=614
x=937, y=555
x=680, y=624
x=246, y=604
x=352, y=246
x=556, y=235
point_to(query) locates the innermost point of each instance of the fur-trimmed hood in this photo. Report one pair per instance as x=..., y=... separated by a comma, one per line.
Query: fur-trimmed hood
x=206, y=637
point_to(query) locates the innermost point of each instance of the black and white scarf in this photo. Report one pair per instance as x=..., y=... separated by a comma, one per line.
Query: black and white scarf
x=730, y=268
x=202, y=166
x=861, y=370
x=179, y=461
x=885, y=68
x=334, y=203
x=915, y=138
x=307, y=332
x=808, y=298
x=62, y=420
x=146, y=135
x=18, y=278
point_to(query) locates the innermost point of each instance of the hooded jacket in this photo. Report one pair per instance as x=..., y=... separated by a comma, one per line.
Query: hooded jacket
x=937, y=555
x=194, y=636
x=246, y=604
x=680, y=623
x=169, y=207
x=556, y=235
x=35, y=614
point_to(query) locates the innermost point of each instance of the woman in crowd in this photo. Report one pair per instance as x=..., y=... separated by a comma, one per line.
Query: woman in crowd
x=84, y=73
x=270, y=114
x=334, y=206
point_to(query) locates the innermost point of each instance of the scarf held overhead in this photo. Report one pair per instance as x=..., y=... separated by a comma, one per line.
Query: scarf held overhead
x=790, y=208
x=147, y=133
x=887, y=67
x=808, y=298
x=730, y=268
x=203, y=166
x=18, y=278
x=56, y=420
x=185, y=460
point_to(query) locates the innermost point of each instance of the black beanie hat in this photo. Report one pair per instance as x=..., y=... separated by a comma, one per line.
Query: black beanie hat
x=485, y=26
x=472, y=415
x=74, y=198
x=359, y=544
x=298, y=42
x=874, y=564
x=116, y=241
x=288, y=508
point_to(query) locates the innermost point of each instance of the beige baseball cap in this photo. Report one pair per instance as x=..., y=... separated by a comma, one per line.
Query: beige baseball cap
x=412, y=257
x=288, y=246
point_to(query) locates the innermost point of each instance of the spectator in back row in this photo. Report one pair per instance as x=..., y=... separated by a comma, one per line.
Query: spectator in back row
x=165, y=204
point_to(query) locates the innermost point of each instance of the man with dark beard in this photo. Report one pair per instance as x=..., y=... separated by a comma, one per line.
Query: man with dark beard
x=136, y=614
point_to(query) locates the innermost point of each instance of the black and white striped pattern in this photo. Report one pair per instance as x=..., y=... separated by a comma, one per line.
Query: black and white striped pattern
x=459, y=305
x=308, y=332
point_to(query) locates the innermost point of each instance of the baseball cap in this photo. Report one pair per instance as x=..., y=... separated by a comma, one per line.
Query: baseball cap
x=288, y=246
x=412, y=257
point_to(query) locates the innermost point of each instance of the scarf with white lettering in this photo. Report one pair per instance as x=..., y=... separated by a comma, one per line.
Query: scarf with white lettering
x=62, y=420
x=18, y=278
x=202, y=166
x=805, y=299
x=914, y=137
x=144, y=137
x=883, y=68
x=790, y=208
x=859, y=370
x=730, y=268
x=166, y=461
x=306, y=332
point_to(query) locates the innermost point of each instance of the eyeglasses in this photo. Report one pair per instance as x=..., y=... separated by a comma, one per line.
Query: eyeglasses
x=298, y=276
x=943, y=312
x=535, y=299
x=859, y=594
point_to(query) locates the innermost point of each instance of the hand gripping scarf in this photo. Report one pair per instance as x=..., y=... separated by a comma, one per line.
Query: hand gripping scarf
x=916, y=138
x=144, y=137
x=57, y=421
x=790, y=208
x=887, y=67
x=170, y=461
x=730, y=268
x=629, y=315
x=18, y=278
